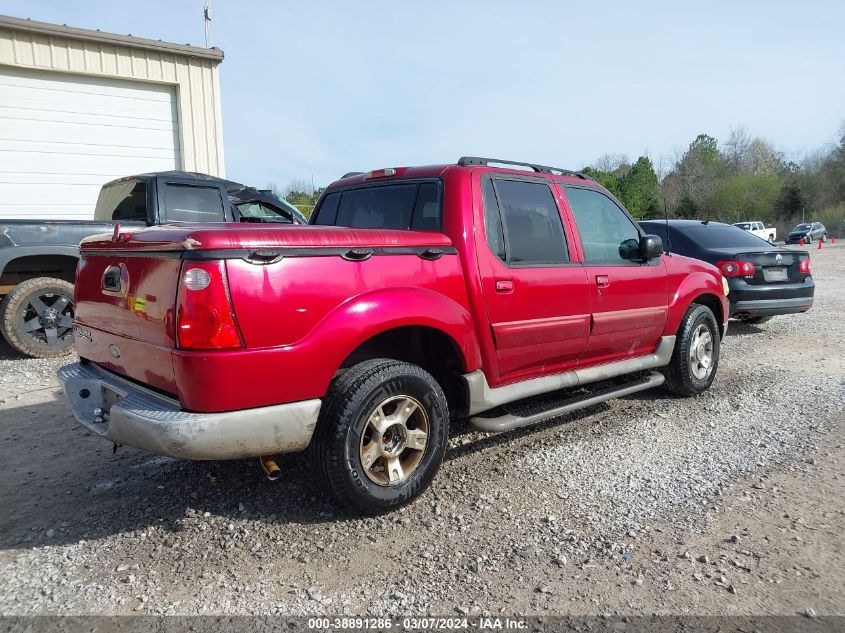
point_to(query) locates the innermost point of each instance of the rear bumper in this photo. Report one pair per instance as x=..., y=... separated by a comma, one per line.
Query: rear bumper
x=125, y=413
x=771, y=307
x=770, y=298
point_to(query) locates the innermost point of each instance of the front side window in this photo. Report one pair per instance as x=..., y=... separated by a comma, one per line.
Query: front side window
x=532, y=230
x=188, y=203
x=607, y=233
x=125, y=201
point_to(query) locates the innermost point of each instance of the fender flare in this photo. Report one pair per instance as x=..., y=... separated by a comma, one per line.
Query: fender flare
x=367, y=315
x=10, y=254
x=691, y=288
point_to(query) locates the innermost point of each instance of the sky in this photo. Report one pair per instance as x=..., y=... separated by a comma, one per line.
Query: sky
x=311, y=90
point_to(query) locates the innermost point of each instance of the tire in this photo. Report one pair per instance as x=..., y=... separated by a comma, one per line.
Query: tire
x=345, y=436
x=823, y=238
x=36, y=317
x=684, y=374
x=758, y=320
x=772, y=240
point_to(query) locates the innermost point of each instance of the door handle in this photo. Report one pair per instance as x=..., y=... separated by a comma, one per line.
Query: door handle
x=602, y=281
x=504, y=285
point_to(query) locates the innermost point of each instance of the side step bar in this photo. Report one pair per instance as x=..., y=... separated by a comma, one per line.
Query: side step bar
x=527, y=414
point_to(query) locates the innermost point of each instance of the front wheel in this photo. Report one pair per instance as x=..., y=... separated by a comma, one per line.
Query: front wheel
x=824, y=237
x=36, y=317
x=696, y=355
x=381, y=436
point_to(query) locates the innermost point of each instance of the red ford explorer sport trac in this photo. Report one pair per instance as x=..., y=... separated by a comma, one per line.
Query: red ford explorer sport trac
x=505, y=293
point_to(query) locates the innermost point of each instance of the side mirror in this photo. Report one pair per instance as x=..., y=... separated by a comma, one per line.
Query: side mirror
x=651, y=246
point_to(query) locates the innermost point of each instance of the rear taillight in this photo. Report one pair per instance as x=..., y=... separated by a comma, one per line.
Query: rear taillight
x=804, y=266
x=204, y=318
x=731, y=268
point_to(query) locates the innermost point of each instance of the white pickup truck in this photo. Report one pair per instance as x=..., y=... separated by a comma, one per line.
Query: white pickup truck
x=759, y=229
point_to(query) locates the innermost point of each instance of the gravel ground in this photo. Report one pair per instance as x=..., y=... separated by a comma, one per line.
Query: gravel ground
x=727, y=503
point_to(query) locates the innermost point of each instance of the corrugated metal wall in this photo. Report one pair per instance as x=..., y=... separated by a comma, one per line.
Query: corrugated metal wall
x=196, y=80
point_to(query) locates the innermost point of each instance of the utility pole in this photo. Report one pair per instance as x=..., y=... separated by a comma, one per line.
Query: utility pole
x=207, y=15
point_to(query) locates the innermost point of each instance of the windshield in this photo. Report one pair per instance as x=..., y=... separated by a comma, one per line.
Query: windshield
x=745, y=226
x=722, y=235
x=803, y=227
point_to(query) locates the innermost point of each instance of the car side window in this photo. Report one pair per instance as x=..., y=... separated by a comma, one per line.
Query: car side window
x=532, y=228
x=126, y=201
x=189, y=203
x=608, y=235
x=493, y=221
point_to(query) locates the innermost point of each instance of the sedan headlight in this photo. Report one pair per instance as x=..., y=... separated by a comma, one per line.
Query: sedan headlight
x=725, y=286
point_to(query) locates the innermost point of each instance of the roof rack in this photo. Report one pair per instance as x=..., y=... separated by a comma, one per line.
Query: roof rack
x=352, y=173
x=466, y=161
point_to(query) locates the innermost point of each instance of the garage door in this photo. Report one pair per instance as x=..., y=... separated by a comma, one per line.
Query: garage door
x=62, y=136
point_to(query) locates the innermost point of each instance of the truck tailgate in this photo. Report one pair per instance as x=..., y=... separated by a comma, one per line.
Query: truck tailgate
x=125, y=314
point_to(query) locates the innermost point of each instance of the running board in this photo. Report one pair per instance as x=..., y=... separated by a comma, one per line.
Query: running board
x=525, y=414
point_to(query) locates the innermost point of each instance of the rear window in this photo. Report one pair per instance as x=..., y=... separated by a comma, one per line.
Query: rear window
x=126, y=201
x=720, y=235
x=414, y=206
x=188, y=203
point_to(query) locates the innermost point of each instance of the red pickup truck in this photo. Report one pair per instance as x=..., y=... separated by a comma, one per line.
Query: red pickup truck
x=505, y=293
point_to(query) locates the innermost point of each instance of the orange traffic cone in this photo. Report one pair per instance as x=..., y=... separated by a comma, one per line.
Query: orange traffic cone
x=820, y=244
x=801, y=242
x=832, y=240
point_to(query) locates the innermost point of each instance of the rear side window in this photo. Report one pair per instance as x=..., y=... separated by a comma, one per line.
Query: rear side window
x=533, y=231
x=404, y=206
x=125, y=201
x=427, y=209
x=188, y=203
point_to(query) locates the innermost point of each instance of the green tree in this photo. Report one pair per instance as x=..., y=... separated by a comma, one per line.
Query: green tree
x=745, y=197
x=789, y=203
x=606, y=179
x=700, y=169
x=638, y=188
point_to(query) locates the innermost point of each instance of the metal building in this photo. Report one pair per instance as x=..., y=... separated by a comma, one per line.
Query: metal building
x=79, y=108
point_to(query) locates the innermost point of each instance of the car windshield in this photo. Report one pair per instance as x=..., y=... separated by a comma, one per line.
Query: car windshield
x=803, y=227
x=721, y=235
x=745, y=226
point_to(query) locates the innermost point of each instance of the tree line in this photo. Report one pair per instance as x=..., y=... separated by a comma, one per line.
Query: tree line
x=743, y=178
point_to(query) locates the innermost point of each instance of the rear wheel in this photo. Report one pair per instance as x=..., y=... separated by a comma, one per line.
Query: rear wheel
x=381, y=436
x=36, y=317
x=771, y=239
x=696, y=355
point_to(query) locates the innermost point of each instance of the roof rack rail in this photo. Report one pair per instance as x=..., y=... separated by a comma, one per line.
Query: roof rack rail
x=466, y=161
x=352, y=173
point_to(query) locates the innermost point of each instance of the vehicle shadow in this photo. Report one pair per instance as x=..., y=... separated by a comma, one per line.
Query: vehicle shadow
x=739, y=328
x=7, y=353
x=62, y=484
